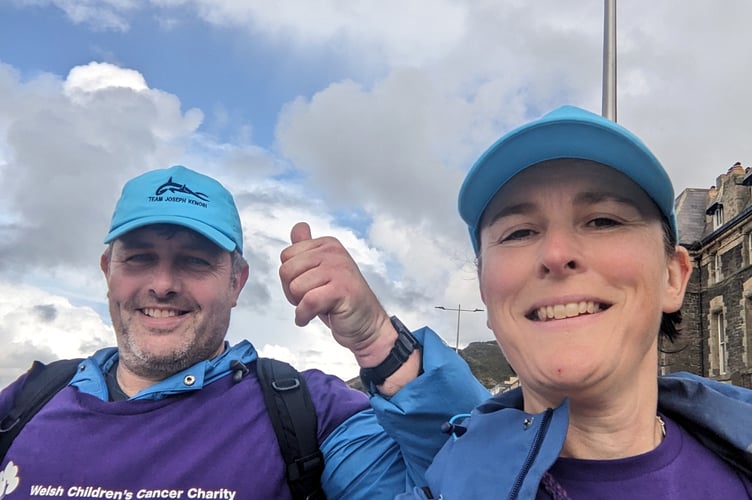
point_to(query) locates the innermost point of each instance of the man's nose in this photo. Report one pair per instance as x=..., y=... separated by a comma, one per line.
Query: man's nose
x=165, y=280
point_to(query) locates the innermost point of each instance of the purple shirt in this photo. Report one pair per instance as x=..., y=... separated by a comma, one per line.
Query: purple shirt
x=216, y=443
x=679, y=468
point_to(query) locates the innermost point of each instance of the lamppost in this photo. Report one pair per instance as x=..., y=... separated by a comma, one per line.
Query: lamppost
x=609, y=59
x=459, y=311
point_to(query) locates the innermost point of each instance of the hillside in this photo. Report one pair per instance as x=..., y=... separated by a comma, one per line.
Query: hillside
x=485, y=361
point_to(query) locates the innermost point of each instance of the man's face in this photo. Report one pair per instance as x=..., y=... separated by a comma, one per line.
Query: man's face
x=575, y=278
x=170, y=294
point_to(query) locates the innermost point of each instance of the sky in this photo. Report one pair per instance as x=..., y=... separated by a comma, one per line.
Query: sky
x=359, y=117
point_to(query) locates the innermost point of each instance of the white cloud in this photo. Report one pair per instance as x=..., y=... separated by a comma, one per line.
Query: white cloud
x=38, y=325
x=100, y=14
x=65, y=158
x=398, y=32
x=402, y=33
x=98, y=76
x=490, y=65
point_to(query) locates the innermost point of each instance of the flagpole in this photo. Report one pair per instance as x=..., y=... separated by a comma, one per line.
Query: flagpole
x=609, y=59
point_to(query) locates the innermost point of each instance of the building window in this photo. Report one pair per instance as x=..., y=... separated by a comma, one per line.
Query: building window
x=718, y=267
x=747, y=334
x=721, y=340
x=718, y=217
x=715, y=211
x=714, y=268
x=749, y=248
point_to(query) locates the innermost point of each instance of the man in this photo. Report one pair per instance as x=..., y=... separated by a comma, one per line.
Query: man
x=174, y=411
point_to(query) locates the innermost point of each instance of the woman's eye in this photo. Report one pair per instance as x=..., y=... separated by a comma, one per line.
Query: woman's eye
x=600, y=222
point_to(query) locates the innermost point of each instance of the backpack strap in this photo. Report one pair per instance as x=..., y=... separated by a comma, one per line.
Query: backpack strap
x=289, y=405
x=42, y=382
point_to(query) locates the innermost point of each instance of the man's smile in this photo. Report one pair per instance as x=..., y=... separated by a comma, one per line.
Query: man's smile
x=155, y=312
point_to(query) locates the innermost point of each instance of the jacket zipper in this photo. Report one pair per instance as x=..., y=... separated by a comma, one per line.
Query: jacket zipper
x=534, y=449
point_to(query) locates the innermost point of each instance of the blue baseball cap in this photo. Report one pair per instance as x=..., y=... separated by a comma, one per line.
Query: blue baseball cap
x=566, y=132
x=178, y=195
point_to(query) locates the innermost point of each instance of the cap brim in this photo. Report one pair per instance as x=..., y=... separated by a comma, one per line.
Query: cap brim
x=200, y=227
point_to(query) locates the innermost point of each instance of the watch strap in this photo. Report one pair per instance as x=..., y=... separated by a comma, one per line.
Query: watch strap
x=405, y=344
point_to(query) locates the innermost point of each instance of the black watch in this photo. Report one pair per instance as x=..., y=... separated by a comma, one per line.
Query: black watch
x=405, y=344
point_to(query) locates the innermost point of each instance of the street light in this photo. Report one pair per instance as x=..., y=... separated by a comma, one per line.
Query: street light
x=459, y=311
x=609, y=59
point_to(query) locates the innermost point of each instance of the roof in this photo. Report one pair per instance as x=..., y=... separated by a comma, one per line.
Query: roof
x=690, y=208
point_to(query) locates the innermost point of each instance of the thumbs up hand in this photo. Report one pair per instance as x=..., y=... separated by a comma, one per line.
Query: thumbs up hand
x=321, y=279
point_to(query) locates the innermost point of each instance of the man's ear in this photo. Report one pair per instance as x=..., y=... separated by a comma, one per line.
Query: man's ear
x=240, y=281
x=679, y=271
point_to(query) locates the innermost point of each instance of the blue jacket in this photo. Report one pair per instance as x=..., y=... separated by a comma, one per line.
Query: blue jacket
x=505, y=451
x=211, y=438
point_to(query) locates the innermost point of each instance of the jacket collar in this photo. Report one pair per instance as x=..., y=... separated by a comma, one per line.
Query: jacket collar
x=90, y=375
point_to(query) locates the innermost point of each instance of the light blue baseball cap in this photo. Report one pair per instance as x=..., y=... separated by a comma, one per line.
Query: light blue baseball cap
x=566, y=132
x=181, y=196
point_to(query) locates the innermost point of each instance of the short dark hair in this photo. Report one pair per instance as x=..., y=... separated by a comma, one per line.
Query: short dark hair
x=670, y=321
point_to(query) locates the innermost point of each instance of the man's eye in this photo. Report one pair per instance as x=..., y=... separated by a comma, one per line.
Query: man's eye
x=518, y=234
x=196, y=262
x=141, y=258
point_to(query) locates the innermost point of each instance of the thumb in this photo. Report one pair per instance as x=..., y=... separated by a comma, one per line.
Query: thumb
x=300, y=232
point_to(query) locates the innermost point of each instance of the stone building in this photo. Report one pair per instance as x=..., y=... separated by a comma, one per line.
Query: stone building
x=715, y=225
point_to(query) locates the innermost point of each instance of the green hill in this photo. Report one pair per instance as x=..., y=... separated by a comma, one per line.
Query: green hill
x=485, y=361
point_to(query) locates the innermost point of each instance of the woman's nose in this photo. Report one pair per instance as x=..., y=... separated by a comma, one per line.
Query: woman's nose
x=560, y=253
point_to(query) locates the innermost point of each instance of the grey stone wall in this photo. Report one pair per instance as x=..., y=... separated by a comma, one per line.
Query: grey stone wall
x=698, y=351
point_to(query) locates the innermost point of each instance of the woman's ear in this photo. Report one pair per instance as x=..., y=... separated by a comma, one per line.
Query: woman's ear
x=104, y=263
x=679, y=271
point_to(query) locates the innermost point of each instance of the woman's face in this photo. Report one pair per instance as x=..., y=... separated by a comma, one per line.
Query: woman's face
x=575, y=278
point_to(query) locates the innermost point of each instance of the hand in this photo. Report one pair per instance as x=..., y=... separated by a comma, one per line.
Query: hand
x=320, y=278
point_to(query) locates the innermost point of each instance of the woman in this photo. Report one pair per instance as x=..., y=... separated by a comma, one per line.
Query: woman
x=572, y=221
